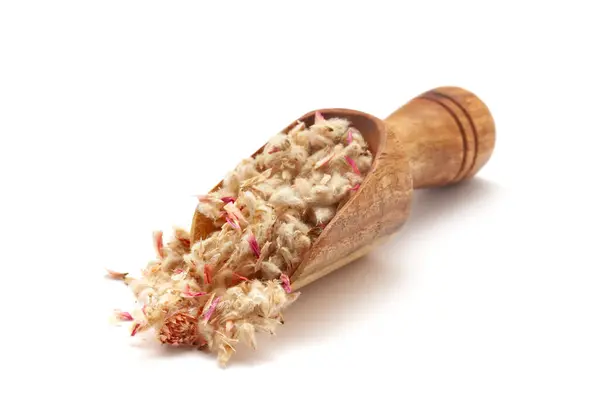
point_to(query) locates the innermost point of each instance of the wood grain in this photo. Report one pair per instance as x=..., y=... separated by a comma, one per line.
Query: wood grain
x=441, y=137
x=448, y=133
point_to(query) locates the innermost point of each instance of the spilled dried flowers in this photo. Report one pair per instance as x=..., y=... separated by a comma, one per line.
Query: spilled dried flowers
x=224, y=289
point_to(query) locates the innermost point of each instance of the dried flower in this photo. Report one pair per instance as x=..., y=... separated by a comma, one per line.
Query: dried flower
x=246, y=334
x=206, y=316
x=286, y=197
x=240, y=277
x=319, y=118
x=201, y=293
x=135, y=329
x=206, y=198
x=233, y=223
x=285, y=282
x=349, y=136
x=183, y=237
x=123, y=315
x=325, y=160
x=254, y=245
x=116, y=275
x=207, y=274
x=191, y=293
x=158, y=244
x=180, y=329
x=235, y=213
x=352, y=164
x=226, y=350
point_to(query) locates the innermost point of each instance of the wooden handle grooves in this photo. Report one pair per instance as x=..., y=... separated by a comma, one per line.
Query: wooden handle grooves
x=449, y=135
x=468, y=131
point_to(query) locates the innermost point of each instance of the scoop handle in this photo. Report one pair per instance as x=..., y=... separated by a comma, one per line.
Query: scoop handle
x=448, y=134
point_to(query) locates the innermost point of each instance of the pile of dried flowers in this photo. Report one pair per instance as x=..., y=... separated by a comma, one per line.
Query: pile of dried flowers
x=269, y=210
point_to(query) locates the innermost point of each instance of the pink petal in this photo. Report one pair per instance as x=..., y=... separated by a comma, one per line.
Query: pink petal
x=355, y=187
x=227, y=199
x=234, y=213
x=116, y=275
x=190, y=293
x=240, y=277
x=319, y=117
x=211, y=309
x=135, y=329
x=285, y=282
x=123, y=316
x=254, y=245
x=349, y=137
x=207, y=271
x=234, y=224
x=352, y=164
x=183, y=240
x=158, y=244
x=324, y=160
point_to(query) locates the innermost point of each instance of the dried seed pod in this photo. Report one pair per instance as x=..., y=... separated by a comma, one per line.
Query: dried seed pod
x=180, y=329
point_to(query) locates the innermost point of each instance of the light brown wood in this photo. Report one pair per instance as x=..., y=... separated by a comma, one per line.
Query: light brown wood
x=441, y=137
x=448, y=134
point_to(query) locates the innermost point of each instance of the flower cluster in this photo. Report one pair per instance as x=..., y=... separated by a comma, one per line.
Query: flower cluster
x=224, y=288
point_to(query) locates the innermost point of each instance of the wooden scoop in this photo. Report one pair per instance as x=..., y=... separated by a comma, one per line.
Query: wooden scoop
x=439, y=138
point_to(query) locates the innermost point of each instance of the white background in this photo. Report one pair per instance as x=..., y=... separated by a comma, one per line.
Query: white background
x=114, y=114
